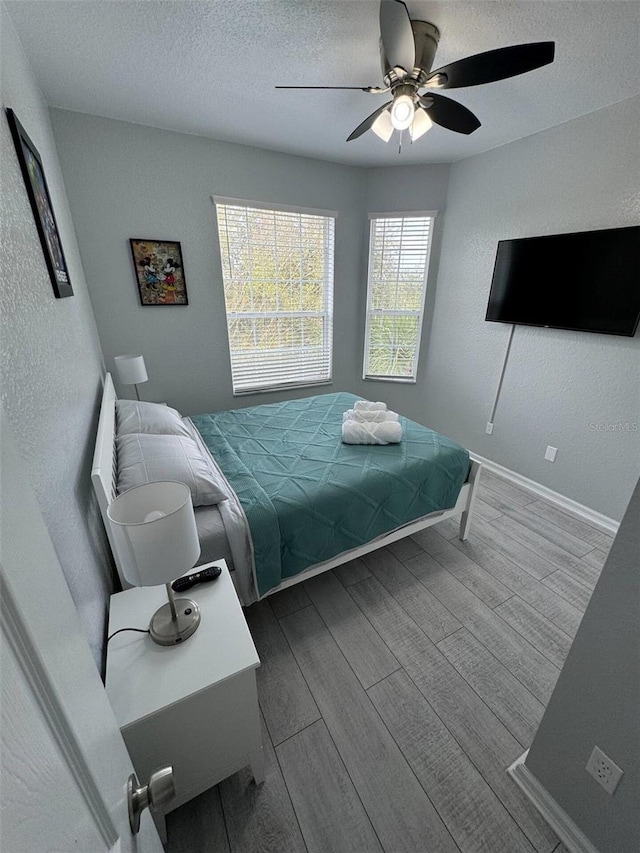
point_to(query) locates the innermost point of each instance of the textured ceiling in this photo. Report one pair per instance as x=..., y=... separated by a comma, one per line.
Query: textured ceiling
x=210, y=67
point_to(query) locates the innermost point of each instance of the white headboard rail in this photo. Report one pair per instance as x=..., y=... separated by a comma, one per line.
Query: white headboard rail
x=104, y=470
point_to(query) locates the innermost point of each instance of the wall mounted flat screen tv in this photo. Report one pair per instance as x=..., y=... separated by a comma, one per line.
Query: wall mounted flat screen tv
x=587, y=282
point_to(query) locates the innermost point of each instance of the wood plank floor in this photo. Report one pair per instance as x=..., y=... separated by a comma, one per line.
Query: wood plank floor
x=397, y=689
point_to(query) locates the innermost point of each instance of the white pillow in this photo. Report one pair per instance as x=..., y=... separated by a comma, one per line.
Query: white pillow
x=156, y=458
x=134, y=417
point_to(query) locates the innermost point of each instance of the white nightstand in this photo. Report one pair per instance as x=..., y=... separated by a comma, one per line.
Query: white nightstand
x=194, y=706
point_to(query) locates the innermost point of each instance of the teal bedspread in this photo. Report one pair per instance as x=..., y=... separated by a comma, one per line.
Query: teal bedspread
x=308, y=497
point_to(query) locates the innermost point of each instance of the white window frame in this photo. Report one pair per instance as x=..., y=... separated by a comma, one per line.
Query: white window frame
x=328, y=296
x=373, y=217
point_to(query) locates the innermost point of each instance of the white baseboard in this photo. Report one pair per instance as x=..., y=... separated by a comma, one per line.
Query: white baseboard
x=567, y=831
x=590, y=516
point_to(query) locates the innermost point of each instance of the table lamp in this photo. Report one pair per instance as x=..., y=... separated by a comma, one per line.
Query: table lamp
x=131, y=370
x=158, y=527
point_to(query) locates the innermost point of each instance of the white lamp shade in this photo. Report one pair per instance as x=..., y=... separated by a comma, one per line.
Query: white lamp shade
x=382, y=126
x=421, y=124
x=131, y=369
x=157, y=523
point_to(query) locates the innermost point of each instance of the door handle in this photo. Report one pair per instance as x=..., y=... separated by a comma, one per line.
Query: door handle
x=158, y=793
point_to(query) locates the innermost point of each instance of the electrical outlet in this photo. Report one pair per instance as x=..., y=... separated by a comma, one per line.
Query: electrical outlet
x=489, y=428
x=605, y=771
x=550, y=453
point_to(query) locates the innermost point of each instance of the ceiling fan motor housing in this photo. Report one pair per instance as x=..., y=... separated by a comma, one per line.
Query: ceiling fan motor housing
x=426, y=37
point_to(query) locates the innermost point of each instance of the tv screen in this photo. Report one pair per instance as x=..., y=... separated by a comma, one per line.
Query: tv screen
x=587, y=282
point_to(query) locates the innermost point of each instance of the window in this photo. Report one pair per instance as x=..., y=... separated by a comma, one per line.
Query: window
x=397, y=283
x=277, y=270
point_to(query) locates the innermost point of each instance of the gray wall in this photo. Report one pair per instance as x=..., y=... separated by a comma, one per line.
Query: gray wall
x=560, y=387
x=125, y=180
x=403, y=189
x=50, y=359
x=596, y=702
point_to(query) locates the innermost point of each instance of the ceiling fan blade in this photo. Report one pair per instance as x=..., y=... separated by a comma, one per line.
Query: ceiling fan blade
x=495, y=65
x=373, y=90
x=368, y=122
x=449, y=114
x=397, y=35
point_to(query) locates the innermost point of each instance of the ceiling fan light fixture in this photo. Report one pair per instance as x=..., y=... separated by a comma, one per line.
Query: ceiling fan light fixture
x=383, y=127
x=421, y=124
x=402, y=112
x=407, y=51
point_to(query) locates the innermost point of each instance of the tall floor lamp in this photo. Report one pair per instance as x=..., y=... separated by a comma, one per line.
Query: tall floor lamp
x=158, y=528
x=131, y=370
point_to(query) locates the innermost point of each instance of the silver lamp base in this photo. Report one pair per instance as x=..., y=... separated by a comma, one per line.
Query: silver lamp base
x=175, y=621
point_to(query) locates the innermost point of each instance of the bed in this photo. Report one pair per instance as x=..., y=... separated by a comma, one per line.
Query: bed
x=299, y=501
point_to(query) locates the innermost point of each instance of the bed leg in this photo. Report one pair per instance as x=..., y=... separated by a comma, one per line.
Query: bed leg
x=474, y=479
x=465, y=523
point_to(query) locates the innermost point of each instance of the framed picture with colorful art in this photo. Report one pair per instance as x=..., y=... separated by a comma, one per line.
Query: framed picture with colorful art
x=40, y=200
x=159, y=272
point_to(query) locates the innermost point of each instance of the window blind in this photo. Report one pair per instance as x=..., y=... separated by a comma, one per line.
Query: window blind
x=396, y=287
x=277, y=270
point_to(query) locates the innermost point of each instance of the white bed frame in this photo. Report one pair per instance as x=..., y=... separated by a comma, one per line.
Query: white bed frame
x=104, y=474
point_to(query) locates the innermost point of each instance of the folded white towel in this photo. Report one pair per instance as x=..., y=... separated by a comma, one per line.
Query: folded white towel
x=368, y=406
x=369, y=417
x=388, y=432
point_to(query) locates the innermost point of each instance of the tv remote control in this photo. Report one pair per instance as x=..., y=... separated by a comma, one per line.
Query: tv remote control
x=210, y=574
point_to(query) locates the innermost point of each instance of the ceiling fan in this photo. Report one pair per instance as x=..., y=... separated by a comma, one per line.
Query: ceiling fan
x=407, y=52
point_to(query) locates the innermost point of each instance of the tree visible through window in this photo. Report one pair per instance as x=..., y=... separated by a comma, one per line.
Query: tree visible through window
x=277, y=270
x=397, y=283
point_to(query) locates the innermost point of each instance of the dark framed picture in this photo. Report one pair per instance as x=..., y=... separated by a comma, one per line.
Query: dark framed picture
x=38, y=192
x=159, y=272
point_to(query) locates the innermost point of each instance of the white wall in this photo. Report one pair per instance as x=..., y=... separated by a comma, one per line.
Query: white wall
x=125, y=180
x=559, y=385
x=596, y=702
x=50, y=359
